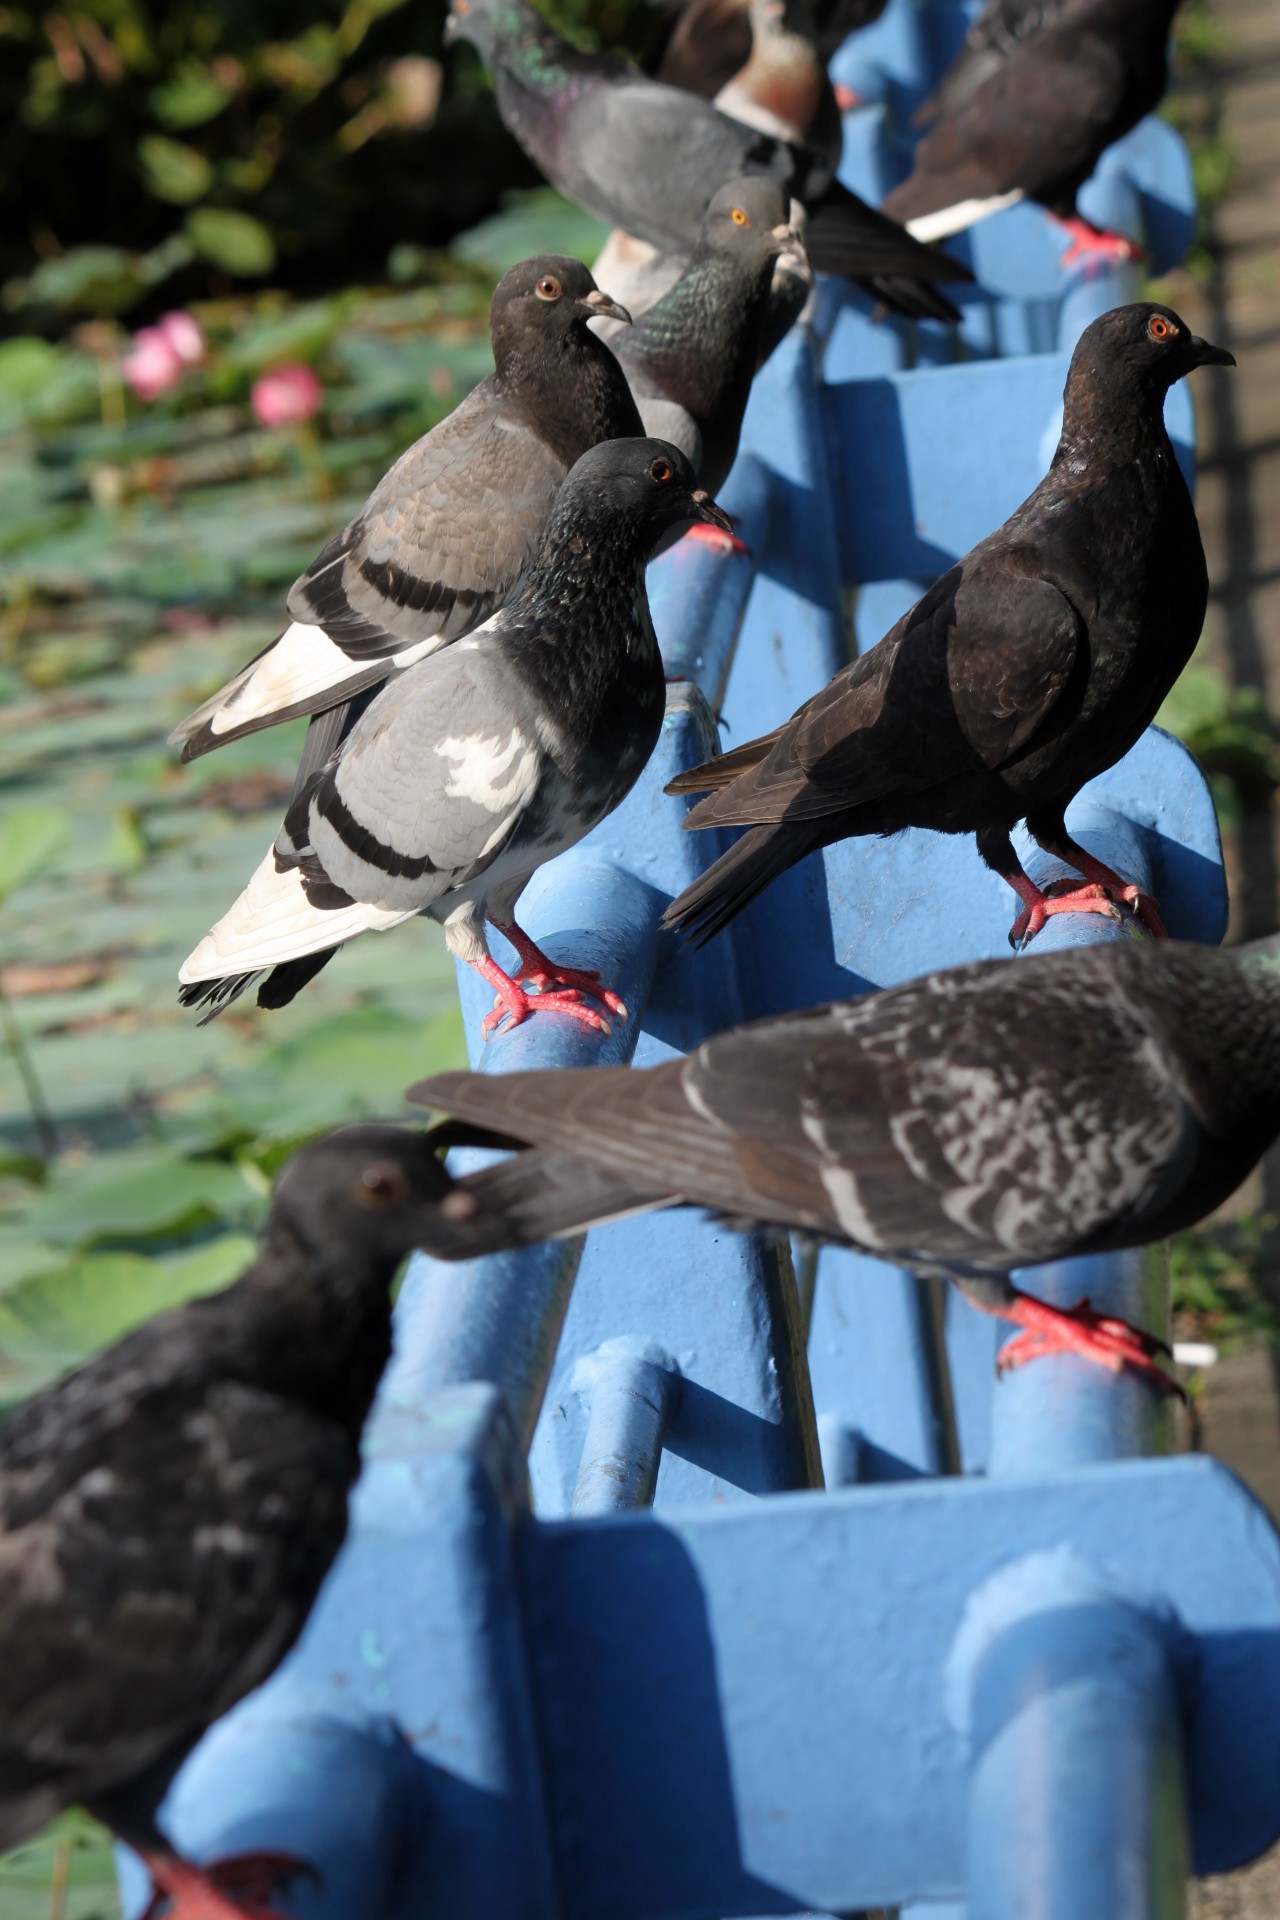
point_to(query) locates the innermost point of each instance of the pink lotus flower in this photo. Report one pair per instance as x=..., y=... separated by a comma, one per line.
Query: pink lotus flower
x=284, y=395
x=160, y=355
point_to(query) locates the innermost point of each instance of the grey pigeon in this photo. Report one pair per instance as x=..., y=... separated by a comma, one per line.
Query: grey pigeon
x=690, y=359
x=1031, y=666
x=481, y=763
x=169, y=1511
x=648, y=158
x=972, y=1122
x=1030, y=109
x=441, y=540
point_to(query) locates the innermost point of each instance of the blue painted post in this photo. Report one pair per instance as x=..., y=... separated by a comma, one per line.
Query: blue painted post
x=630, y=1386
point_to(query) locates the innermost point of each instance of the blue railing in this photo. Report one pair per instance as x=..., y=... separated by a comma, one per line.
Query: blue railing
x=1005, y=1659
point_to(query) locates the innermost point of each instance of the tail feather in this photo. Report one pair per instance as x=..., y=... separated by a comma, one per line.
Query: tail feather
x=533, y=1196
x=725, y=768
x=733, y=881
x=272, y=923
x=847, y=237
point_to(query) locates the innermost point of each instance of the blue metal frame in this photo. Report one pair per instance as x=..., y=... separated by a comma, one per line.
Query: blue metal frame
x=1036, y=1688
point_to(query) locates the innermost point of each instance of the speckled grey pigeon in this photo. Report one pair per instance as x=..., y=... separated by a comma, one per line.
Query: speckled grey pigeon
x=481, y=763
x=648, y=158
x=1031, y=666
x=690, y=359
x=439, y=543
x=168, y=1511
x=975, y=1121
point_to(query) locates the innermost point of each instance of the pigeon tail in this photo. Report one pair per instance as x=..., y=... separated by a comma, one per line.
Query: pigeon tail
x=945, y=221
x=304, y=671
x=535, y=1195
x=271, y=923
x=712, y=775
x=753, y=863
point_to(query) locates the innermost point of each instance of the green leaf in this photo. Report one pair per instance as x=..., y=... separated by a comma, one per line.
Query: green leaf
x=190, y=98
x=135, y=1196
x=87, y=280
x=173, y=170
x=539, y=221
x=75, y=1847
x=234, y=241
x=30, y=838
x=54, y=1322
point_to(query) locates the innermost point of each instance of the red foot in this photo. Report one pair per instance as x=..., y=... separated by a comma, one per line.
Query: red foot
x=846, y=98
x=541, y=971
x=239, y=1888
x=1094, y=245
x=1100, y=875
x=515, y=1005
x=717, y=537
x=1038, y=906
x=1109, y=1343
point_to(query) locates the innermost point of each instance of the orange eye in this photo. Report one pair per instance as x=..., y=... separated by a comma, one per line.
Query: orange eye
x=1159, y=328
x=381, y=1185
x=661, y=471
x=548, y=289
x=738, y=217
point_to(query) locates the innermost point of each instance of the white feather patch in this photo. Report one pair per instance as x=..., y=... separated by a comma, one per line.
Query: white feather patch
x=302, y=666
x=274, y=921
x=965, y=213
x=491, y=773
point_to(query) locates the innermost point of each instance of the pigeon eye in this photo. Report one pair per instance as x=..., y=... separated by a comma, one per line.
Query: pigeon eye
x=661, y=471
x=738, y=217
x=381, y=1186
x=1160, y=329
x=549, y=289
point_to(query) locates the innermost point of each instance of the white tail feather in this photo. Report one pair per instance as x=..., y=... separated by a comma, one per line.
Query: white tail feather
x=273, y=921
x=298, y=671
x=929, y=227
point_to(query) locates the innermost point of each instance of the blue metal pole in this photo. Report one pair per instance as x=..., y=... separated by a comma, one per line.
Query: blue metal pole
x=631, y=1384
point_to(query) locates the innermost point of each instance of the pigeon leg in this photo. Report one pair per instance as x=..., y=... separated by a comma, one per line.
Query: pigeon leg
x=541, y=971
x=238, y=1888
x=1037, y=906
x=717, y=538
x=514, y=1004
x=1063, y=847
x=1094, y=245
x=1108, y=1342
x=846, y=98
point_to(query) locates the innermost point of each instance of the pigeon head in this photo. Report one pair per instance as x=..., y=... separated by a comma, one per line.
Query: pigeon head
x=375, y=1191
x=749, y=218
x=644, y=486
x=1144, y=346
x=549, y=296
x=479, y=21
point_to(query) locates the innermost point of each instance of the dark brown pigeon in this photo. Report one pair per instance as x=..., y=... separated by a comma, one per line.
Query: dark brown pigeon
x=970, y=1123
x=711, y=40
x=441, y=540
x=168, y=1512
x=1035, y=98
x=647, y=158
x=1030, y=667
x=783, y=87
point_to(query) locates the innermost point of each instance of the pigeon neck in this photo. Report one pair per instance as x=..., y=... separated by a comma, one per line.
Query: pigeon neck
x=1106, y=423
x=583, y=564
x=1226, y=1009
x=698, y=338
x=574, y=393
x=311, y=1325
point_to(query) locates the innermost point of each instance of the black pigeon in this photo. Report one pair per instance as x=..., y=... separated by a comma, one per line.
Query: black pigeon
x=690, y=359
x=168, y=1512
x=438, y=545
x=478, y=765
x=1030, y=109
x=648, y=158
x=975, y=1121
x=1030, y=667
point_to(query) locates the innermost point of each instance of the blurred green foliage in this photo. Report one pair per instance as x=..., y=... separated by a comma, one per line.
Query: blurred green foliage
x=154, y=152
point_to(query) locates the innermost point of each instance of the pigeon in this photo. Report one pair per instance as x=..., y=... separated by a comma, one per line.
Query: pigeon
x=480, y=763
x=690, y=359
x=438, y=545
x=648, y=158
x=1029, y=113
x=972, y=1122
x=169, y=1511
x=711, y=40
x=783, y=88
x=1027, y=669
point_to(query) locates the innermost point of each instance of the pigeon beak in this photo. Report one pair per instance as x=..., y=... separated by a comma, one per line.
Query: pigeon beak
x=601, y=307
x=786, y=239
x=708, y=511
x=1207, y=355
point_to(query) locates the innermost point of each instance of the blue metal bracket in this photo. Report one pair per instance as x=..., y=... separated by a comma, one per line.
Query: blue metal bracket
x=1039, y=1688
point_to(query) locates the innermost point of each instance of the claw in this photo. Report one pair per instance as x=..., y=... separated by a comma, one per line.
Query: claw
x=1101, y=1338
x=241, y=1887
